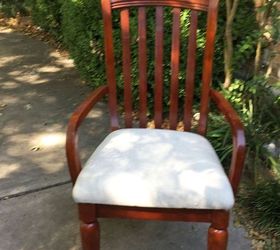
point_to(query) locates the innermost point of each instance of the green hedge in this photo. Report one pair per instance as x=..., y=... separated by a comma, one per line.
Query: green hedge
x=47, y=15
x=78, y=24
x=11, y=7
x=82, y=35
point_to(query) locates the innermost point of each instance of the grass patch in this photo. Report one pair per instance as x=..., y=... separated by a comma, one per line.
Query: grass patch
x=258, y=208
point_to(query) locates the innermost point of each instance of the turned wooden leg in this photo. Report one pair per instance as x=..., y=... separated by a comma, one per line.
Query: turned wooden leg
x=89, y=227
x=217, y=232
x=217, y=239
x=90, y=236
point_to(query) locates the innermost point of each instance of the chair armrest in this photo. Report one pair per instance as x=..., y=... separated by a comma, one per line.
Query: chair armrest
x=76, y=119
x=238, y=137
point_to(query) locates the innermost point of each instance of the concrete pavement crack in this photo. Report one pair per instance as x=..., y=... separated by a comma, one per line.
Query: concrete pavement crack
x=34, y=190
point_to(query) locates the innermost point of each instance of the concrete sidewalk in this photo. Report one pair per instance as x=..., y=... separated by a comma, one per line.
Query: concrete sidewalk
x=39, y=90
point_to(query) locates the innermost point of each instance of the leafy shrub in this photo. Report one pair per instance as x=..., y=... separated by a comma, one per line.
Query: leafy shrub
x=274, y=29
x=259, y=110
x=47, y=15
x=83, y=36
x=244, y=32
x=79, y=25
x=11, y=7
x=219, y=134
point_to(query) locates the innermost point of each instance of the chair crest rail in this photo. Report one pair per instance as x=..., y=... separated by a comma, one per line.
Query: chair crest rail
x=201, y=5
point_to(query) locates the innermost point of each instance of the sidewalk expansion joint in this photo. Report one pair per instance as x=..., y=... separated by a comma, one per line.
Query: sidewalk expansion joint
x=34, y=190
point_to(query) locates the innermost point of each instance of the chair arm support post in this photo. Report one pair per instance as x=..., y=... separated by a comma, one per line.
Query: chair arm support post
x=75, y=121
x=238, y=137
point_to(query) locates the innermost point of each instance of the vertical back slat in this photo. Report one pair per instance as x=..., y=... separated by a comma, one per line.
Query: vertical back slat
x=110, y=63
x=158, y=67
x=190, y=71
x=175, y=57
x=207, y=65
x=142, y=54
x=126, y=66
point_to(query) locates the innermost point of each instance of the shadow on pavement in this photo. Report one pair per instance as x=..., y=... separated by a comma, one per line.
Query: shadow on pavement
x=39, y=89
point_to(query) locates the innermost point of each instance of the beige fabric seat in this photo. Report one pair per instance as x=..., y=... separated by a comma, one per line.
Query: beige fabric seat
x=154, y=168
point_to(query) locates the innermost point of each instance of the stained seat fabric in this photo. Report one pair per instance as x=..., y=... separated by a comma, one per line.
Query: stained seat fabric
x=154, y=168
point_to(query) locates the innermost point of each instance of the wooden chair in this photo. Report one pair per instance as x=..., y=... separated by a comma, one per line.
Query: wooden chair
x=156, y=174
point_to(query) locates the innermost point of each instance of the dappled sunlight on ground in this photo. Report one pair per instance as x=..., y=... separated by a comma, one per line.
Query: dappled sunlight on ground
x=39, y=90
x=10, y=85
x=48, y=69
x=51, y=140
x=66, y=62
x=8, y=59
x=9, y=169
x=5, y=30
x=32, y=79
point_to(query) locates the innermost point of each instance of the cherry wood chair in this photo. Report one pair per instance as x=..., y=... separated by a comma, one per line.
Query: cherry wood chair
x=156, y=174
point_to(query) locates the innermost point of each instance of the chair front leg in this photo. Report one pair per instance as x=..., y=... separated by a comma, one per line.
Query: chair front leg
x=89, y=227
x=90, y=236
x=217, y=238
x=217, y=232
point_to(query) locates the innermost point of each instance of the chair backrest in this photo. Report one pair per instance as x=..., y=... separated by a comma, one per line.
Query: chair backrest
x=195, y=6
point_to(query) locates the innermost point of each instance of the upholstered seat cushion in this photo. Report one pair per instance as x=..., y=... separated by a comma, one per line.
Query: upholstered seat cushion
x=154, y=168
